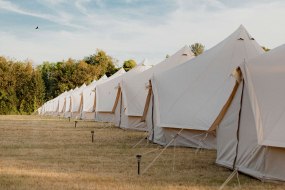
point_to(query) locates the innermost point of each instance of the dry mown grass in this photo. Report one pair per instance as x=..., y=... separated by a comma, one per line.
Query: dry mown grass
x=48, y=153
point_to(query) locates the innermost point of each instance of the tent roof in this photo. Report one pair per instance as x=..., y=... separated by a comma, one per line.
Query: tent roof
x=118, y=73
x=94, y=83
x=134, y=90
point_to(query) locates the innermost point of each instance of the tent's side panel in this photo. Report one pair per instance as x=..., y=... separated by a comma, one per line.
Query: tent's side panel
x=274, y=167
x=265, y=163
x=227, y=133
x=185, y=137
x=133, y=123
x=127, y=122
x=77, y=112
x=88, y=116
x=237, y=144
x=104, y=117
x=67, y=112
x=88, y=105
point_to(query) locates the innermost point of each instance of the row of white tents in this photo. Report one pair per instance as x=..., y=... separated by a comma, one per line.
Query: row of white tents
x=229, y=98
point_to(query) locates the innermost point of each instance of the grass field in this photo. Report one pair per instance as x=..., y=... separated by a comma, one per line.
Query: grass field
x=50, y=153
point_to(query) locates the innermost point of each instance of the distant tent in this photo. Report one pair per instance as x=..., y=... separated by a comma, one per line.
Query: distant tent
x=39, y=110
x=67, y=107
x=76, y=102
x=250, y=137
x=108, y=95
x=61, y=102
x=44, y=109
x=49, y=107
x=54, y=106
x=135, y=90
x=88, y=99
x=119, y=108
x=105, y=97
x=187, y=99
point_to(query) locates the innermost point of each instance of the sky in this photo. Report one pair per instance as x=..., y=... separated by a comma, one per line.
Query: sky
x=130, y=29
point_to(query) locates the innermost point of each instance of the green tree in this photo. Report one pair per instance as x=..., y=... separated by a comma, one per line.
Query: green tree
x=46, y=70
x=265, y=48
x=8, y=99
x=197, y=48
x=21, y=87
x=129, y=64
x=104, y=63
x=24, y=88
x=65, y=75
x=39, y=89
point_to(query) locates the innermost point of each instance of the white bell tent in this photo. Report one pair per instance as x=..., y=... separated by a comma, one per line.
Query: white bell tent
x=187, y=99
x=135, y=90
x=250, y=137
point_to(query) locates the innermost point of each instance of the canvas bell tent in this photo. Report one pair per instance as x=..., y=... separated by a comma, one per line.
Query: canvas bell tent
x=105, y=95
x=56, y=105
x=61, y=101
x=108, y=94
x=121, y=100
x=76, y=102
x=67, y=107
x=135, y=90
x=88, y=99
x=187, y=99
x=50, y=107
x=251, y=134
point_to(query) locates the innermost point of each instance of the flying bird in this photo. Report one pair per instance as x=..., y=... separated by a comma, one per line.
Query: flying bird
x=37, y=28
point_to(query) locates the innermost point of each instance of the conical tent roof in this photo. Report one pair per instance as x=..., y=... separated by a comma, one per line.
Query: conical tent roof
x=134, y=89
x=264, y=77
x=117, y=74
x=192, y=95
x=106, y=93
x=141, y=67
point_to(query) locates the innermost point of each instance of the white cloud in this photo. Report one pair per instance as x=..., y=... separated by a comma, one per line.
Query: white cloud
x=125, y=37
x=81, y=5
x=61, y=18
x=54, y=2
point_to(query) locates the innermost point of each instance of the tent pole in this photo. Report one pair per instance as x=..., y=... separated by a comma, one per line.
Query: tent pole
x=120, y=109
x=239, y=120
x=152, y=116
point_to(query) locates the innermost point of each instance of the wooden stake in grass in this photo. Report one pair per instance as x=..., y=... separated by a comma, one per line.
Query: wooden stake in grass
x=92, y=136
x=75, y=123
x=139, y=162
x=69, y=119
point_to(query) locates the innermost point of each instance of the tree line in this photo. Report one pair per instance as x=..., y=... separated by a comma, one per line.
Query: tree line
x=21, y=87
x=24, y=88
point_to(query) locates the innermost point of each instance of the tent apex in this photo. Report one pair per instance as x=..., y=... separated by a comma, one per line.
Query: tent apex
x=144, y=62
x=186, y=51
x=241, y=26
